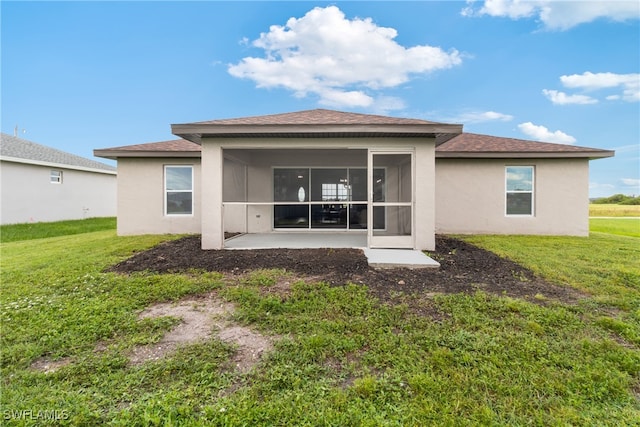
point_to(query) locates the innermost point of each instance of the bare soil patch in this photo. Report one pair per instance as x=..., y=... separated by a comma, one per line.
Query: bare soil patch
x=464, y=268
x=48, y=366
x=198, y=317
x=202, y=317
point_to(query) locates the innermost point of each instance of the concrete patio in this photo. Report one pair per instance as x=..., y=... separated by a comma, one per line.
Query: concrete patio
x=377, y=258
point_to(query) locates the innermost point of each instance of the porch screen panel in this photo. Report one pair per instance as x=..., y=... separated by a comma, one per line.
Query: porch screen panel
x=331, y=187
x=291, y=216
x=358, y=183
x=317, y=198
x=291, y=185
x=235, y=181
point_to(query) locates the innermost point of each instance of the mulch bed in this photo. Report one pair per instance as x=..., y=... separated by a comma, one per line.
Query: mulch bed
x=464, y=268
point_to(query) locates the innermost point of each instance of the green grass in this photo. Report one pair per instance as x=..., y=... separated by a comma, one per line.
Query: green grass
x=620, y=226
x=596, y=210
x=605, y=266
x=343, y=358
x=40, y=230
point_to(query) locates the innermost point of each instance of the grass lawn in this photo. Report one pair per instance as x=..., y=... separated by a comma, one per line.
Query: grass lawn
x=613, y=210
x=341, y=358
x=39, y=230
x=621, y=226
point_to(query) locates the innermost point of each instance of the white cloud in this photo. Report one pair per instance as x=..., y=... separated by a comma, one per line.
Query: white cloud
x=340, y=60
x=561, y=98
x=480, y=117
x=513, y=9
x=631, y=182
x=600, y=186
x=629, y=83
x=541, y=133
x=557, y=15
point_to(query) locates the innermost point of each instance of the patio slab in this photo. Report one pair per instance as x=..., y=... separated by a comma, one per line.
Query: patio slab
x=377, y=258
x=399, y=258
x=296, y=240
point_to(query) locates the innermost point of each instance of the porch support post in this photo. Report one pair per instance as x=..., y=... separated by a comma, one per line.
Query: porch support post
x=425, y=196
x=211, y=193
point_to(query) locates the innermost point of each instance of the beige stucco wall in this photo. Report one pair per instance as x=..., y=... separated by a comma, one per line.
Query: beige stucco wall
x=425, y=208
x=470, y=197
x=29, y=196
x=141, y=198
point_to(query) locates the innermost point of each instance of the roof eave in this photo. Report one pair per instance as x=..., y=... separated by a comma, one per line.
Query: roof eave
x=591, y=155
x=115, y=154
x=194, y=132
x=57, y=165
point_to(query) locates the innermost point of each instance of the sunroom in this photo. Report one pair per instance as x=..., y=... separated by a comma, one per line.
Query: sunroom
x=322, y=173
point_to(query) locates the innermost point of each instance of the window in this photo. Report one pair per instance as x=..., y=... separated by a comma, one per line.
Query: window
x=178, y=184
x=333, y=191
x=55, y=177
x=519, y=190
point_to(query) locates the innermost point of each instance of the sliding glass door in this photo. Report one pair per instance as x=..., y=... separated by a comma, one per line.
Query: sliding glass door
x=320, y=198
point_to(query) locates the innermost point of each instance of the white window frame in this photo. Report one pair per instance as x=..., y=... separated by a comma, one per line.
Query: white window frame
x=532, y=191
x=166, y=191
x=55, y=176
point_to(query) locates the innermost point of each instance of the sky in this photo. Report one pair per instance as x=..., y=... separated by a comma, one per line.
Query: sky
x=83, y=75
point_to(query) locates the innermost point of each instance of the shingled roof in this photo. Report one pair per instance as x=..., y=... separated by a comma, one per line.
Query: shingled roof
x=318, y=123
x=450, y=141
x=476, y=145
x=14, y=149
x=173, y=148
x=318, y=117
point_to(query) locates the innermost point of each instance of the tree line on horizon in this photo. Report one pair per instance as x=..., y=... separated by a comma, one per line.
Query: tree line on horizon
x=617, y=199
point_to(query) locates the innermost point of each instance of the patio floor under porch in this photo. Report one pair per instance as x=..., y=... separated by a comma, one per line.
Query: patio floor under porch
x=377, y=258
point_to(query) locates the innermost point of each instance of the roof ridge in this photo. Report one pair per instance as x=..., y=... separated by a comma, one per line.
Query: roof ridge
x=315, y=116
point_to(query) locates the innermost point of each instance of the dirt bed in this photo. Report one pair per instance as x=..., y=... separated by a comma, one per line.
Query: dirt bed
x=464, y=268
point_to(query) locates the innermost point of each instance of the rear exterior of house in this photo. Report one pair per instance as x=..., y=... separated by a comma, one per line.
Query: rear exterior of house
x=42, y=184
x=397, y=181
x=492, y=185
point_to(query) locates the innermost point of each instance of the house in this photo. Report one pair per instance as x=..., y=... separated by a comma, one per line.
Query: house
x=42, y=184
x=397, y=181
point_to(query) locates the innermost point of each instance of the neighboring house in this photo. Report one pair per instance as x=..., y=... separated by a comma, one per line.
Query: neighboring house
x=400, y=181
x=44, y=184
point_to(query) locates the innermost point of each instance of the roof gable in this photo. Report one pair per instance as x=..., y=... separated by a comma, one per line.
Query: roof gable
x=21, y=150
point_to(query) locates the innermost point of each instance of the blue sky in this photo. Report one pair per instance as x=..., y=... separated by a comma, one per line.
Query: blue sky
x=83, y=75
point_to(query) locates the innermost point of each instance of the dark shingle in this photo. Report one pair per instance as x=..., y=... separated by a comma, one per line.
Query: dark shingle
x=318, y=117
x=470, y=143
x=175, y=145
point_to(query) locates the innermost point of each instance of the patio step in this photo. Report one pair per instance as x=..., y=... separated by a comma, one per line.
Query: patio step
x=399, y=258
